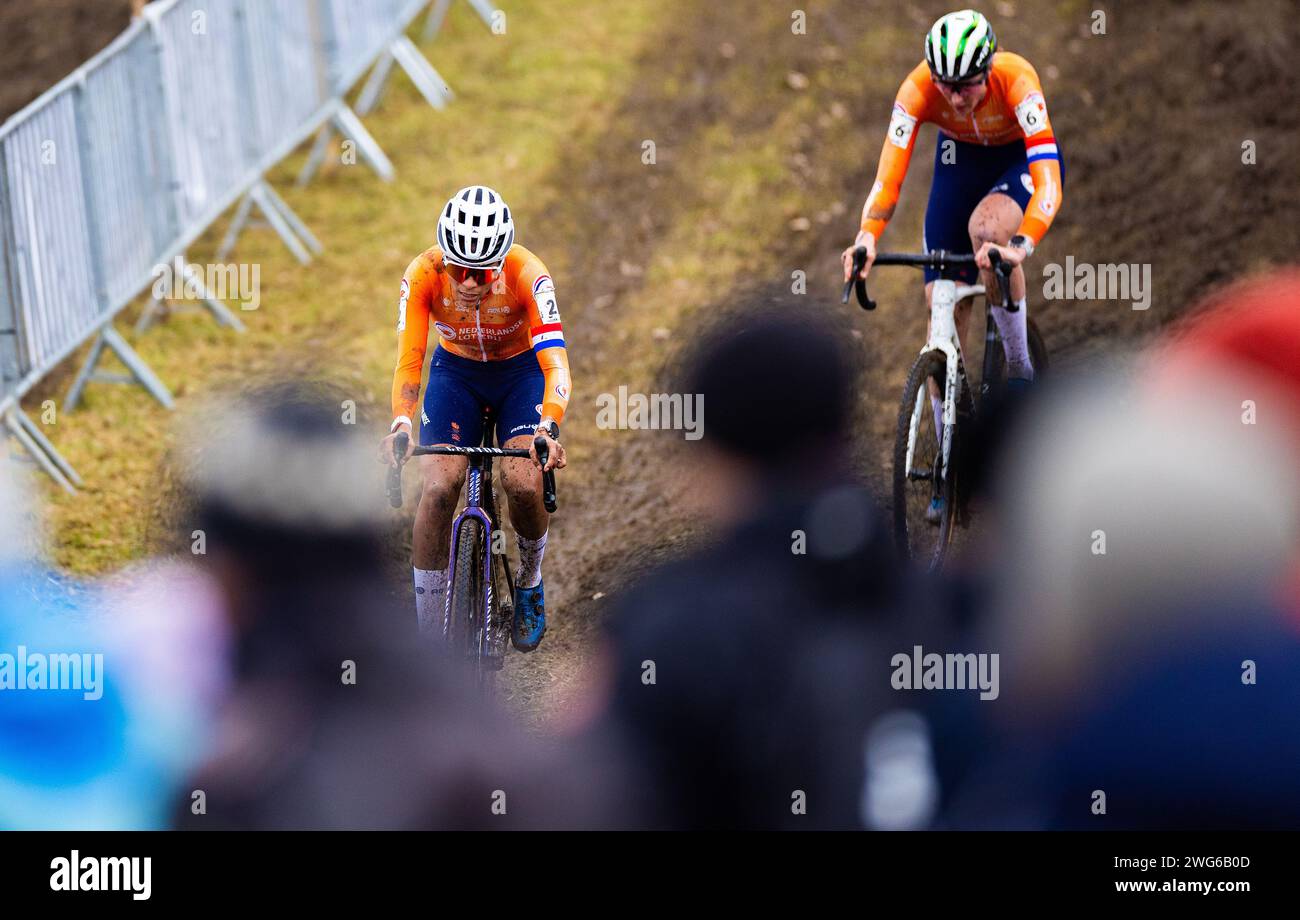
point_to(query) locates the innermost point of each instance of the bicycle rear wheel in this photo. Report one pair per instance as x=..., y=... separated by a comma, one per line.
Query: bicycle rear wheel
x=918, y=485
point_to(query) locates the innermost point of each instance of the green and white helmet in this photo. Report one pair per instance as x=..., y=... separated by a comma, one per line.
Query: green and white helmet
x=960, y=46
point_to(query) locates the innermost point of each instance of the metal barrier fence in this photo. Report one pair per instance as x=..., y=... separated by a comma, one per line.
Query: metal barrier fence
x=121, y=166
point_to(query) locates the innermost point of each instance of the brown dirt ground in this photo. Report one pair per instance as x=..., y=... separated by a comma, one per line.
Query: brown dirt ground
x=45, y=40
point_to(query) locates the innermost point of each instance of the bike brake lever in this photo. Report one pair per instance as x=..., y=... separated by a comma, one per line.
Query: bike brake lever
x=1003, y=270
x=548, y=477
x=395, y=472
x=856, y=284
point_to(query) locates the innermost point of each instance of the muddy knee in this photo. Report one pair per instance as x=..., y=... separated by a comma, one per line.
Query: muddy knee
x=441, y=490
x=520, y=480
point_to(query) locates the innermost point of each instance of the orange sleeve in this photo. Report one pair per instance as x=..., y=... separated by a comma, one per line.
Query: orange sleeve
x=1025, y=96
x=419, y=285
x=534, y=287
x=910, y=108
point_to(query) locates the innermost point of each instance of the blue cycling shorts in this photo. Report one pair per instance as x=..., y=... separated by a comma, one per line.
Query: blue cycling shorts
x=975, y=172
x=459, y=389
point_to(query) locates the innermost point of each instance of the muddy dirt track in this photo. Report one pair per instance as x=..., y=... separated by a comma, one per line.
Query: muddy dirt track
x=1151, y=118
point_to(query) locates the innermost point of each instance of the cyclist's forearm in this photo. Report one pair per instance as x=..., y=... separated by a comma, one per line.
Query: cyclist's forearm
x=883, y=199
x=558, y=386
x=406, y=384
x=1046, y=201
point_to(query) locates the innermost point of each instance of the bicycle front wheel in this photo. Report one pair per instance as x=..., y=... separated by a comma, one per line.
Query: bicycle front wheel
x=467, y=605
x=924, y=506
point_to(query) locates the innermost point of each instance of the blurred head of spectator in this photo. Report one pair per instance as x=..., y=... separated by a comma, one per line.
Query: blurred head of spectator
x=776, y=391
x=1146, y=525
x=745, y=678
x=1241, y=352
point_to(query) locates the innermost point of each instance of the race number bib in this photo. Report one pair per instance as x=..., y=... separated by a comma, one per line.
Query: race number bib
x=544, y=294
x=1032, y=114
x=901, y=126
x=401, y=305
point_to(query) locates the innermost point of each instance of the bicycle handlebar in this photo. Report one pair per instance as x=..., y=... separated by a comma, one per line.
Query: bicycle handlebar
x=939, y=260
x=451, y=450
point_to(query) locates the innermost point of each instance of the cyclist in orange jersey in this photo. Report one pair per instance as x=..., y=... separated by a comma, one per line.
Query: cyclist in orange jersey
x=998, y=171
x=500, y=347
x=998, y=174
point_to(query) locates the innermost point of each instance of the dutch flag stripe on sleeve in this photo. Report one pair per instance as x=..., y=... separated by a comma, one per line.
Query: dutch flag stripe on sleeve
x=547, y=335
x=1043, y=148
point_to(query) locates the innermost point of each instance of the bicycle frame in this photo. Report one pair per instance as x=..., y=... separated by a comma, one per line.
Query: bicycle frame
x=944, y=297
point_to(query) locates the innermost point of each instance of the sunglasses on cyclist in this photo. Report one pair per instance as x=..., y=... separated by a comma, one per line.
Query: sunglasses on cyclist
x=958, y=86
x=460, y=274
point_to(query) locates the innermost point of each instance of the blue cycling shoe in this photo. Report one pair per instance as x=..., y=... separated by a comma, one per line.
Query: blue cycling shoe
x=934, y=514
x=530, y=618
x=1018, y=384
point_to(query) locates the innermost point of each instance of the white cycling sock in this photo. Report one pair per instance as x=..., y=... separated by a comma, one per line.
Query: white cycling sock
x=936, y=403
x=430, y=597
x=1015, y=340
x=530, y=561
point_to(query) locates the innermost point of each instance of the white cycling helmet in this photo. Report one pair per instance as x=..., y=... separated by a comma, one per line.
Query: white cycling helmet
x=475, y=229
x=960, y=46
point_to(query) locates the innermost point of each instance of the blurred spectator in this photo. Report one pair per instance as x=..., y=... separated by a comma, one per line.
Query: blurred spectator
x=337, y=719
x=745, y=678
x=73, y=752
x=1142, y=535
x=1243, y=347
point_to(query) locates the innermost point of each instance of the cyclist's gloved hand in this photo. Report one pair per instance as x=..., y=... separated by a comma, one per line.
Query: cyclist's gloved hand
x=866, y=240
x=1010, y=254
x=386, y=445
x=555, y=459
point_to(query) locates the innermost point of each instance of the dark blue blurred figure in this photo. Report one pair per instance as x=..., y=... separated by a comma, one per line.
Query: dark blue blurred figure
x=745, y=679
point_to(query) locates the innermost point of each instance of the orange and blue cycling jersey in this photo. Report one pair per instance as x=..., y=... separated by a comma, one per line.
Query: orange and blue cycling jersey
x=1012, y=109
x=518, y=314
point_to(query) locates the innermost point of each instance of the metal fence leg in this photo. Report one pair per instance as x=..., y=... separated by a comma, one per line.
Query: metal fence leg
x=484, y=10
x=351, y=127
x=427, y=80
x=278, y=222
x=219, y=310
x=433, y=22
x=39, y=437
x=148, y=315
x=45, y=460
x=237, y=224
x=141, y=373
x=293, y=219
x=375, y=85
x=319, y=150
x=83, y=376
